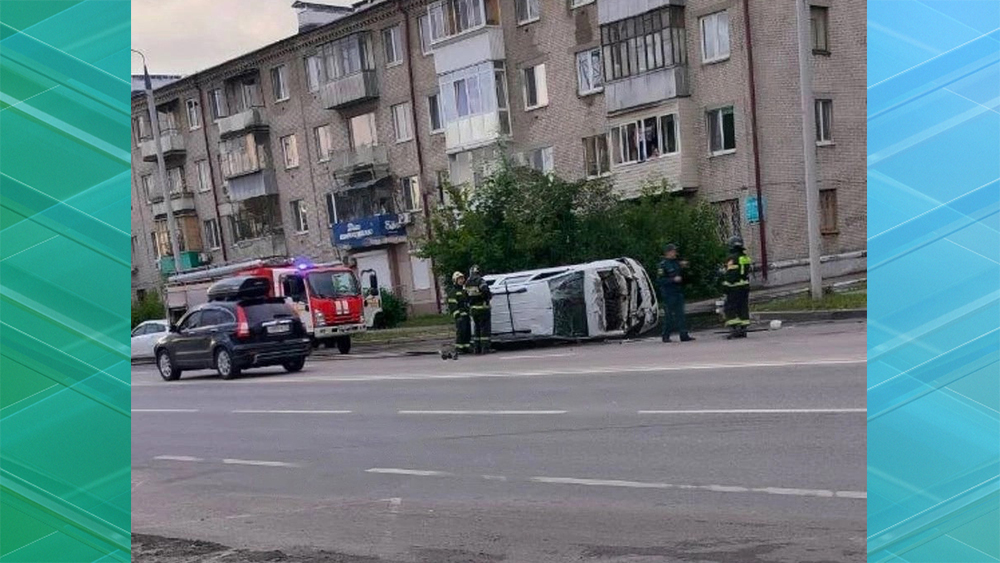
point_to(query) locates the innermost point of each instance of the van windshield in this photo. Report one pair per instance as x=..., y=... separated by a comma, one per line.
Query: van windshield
x=333, y=284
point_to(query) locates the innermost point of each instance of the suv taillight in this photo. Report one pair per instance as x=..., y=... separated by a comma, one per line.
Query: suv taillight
x=242, y=326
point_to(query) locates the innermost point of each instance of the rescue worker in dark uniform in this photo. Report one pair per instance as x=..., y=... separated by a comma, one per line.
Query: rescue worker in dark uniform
x=479, y=307
x=458, y=306
x=736, y=281
x=670, y=283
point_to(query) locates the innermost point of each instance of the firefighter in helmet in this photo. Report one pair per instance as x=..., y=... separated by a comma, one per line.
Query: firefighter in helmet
x=736, y=281
x=458, y=306
x=479, y=307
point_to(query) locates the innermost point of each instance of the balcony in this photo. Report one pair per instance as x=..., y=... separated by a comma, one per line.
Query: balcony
x=367, y=156
x=483, y=44
x=646, y=88
x=173, y=145
x=264, y=247
x=255, y=184
x=475, y=131
x=614, y=10
x=189, y=260
x=369, y=231
x=349, y=90
x=181, y=202
x=242, y=122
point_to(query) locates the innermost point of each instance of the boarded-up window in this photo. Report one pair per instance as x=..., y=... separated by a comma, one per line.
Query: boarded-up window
x=828, y=211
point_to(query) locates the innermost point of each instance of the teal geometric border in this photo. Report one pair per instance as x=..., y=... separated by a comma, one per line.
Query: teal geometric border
x=65, y=256
x=934, y=283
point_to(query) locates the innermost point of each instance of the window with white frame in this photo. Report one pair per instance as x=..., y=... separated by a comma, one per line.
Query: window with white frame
x=324, y=142
x=536, y=92
x=402, y=122
x=299, y=216
x=424, y=29
x=647, y=138
x=644, y=43
x=148, y=187
x=819, y=18
x=212, y=235
x=363, y=131
x=538, y=159
x=721, y=130
x=347, y=56
x=824, y=122
x=392, y=44
x=412, y=196
x=175, y=178
x=595, y=156
x=290, y=151
x=279, y=83
x=314, y=72
x=204, y=175
x=715, y=37
x=527, y=10
x=475, y=90
x=449, y=18
x=193, y=113
x=217, y=103
x=589, y=72
x=434, y=113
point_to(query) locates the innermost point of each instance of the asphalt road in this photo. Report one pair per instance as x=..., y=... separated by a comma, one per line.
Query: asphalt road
x=710, y=451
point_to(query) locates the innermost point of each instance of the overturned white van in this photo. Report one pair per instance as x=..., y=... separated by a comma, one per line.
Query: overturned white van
x=604, y=299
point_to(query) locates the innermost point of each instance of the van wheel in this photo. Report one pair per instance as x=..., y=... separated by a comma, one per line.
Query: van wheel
x=294, y=365
x=166, y=366
x=224, y=364
x=344, y=345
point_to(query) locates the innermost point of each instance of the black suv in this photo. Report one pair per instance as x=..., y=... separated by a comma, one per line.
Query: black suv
x=239, y=328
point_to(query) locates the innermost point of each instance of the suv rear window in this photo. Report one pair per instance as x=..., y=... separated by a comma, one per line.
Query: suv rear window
x=262, y=312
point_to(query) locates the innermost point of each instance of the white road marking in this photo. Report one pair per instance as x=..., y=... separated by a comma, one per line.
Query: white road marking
x=494, y=477
x=258, y=463
x=177, y=458
x=714, y=488
x=756, y=411
x=534, y=356
x=165, y=410
x=413, y=472
x=289, y=412
x=483, y=413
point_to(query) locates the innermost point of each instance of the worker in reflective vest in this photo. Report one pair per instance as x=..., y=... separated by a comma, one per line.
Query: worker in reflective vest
x=736, y=281
x=458, y=306
x=479, y=307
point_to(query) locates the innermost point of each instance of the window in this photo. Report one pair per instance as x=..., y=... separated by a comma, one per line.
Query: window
x=141, y=128
x=828, y=211
x=324, y=142
x=241, y=155
x=331, y=208
x=819, y=26
x=193, y=113
x=347, y=56
x=728, y=215
x=412, y=197
x=215, y=317
x=536, y=92
x=721, y=131
x=363, y=131
x=527, y=11
x=715, y=37
x=393, y=44
x=212, y=235
x=279, y=83
x=578, y=3
x=442, y=178
x=299, y=216
x=589, y=72
x=402, y=121
x=644, y=43
x=449, y=18
x=217, y=103
x=538, y=159
x=175, y=178
x=149, y=187
x=424, y=28
x=257, y=221
x=290, y=151
x=595, y=156
x=314, y=72
x=824, y=122
x=644, y=139
x=434, y=111
x=204, y=175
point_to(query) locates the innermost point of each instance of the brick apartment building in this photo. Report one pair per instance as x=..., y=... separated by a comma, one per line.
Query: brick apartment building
x=333, y=143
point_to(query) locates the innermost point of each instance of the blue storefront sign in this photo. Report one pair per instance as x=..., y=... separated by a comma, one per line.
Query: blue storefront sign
x=752, y=216
x=368, y=231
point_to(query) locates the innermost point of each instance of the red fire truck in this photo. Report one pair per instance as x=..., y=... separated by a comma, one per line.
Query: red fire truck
x=328, y=297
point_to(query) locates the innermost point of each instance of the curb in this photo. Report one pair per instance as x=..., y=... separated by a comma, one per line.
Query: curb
x=810, y=316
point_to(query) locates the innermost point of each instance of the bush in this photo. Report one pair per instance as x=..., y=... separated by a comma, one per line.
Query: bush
x=521, y=219
x=148, y=309
x=394, y=310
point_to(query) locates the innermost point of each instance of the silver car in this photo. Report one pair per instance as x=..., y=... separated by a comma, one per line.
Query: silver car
x=146, y=335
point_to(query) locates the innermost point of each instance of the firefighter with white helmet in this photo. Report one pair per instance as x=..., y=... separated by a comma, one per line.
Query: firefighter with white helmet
x=458, y=306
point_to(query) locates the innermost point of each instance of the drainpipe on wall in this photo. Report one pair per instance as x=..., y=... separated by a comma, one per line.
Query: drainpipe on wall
x=211, y=171
x=416, y=138
x=751, y=79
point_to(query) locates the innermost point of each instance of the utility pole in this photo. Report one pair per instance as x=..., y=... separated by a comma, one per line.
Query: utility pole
x=154, y=122
x=809, y=148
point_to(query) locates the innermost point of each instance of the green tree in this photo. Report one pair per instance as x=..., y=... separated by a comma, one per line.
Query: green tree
x=149, y=308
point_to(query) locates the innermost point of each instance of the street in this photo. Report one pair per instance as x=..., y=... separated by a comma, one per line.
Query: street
x=712, y=451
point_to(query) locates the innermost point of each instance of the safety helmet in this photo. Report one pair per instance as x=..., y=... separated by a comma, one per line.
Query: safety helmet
x=457, y=276
x=735, y=242
x=473, y=270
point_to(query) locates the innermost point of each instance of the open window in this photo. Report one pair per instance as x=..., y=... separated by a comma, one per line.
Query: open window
x=294, y=287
